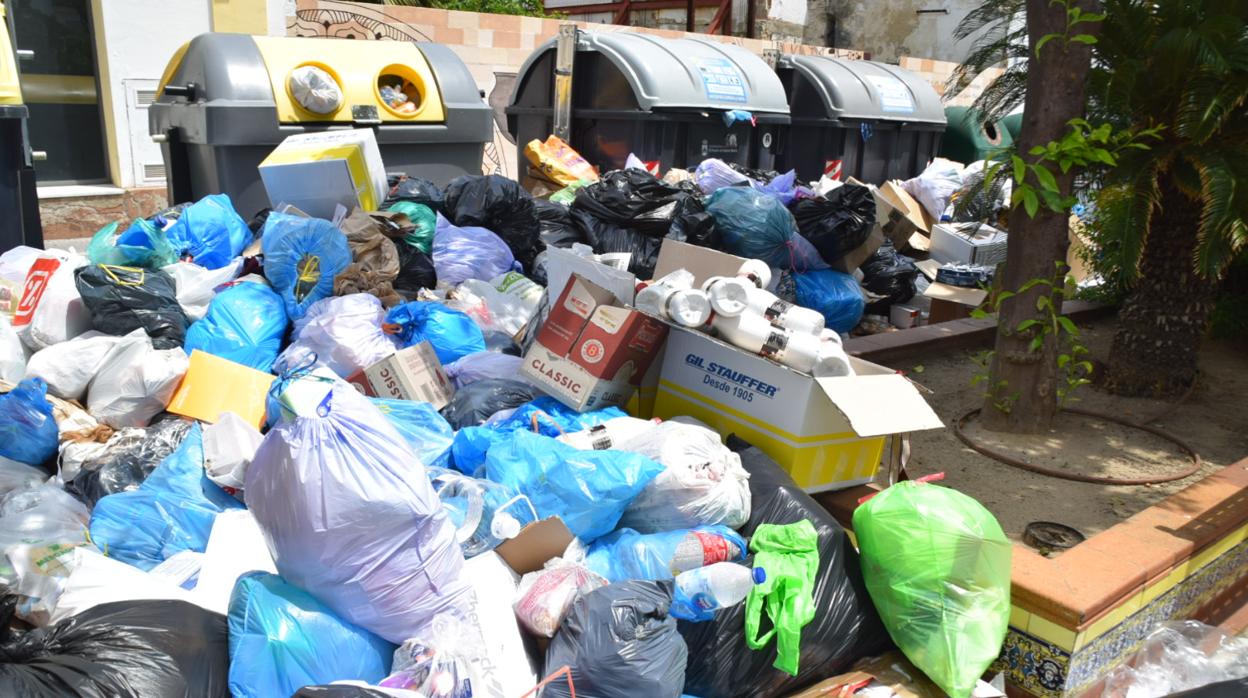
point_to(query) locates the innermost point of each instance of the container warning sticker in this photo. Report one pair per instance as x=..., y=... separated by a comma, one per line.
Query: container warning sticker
x=722, y=80
x=894, y=96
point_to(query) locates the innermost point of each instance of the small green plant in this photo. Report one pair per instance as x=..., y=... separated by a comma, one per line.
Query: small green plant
x=1002, y=400
x=1074, y=17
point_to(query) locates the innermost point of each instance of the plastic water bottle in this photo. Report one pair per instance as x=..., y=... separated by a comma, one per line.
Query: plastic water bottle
x=701, y=592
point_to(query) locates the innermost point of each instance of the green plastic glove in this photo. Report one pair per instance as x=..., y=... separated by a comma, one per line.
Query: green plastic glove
x=790, y=556
x=937, y=566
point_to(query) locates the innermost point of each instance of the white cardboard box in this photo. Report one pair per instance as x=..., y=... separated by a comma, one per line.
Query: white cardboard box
x=968, y=243
x=317, y=172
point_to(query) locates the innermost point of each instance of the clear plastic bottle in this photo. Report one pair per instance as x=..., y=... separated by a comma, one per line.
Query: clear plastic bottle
x=702, y=591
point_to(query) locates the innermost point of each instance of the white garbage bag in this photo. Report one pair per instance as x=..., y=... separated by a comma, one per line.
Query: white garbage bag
x=936, y=185
x=343, y=333
x=135, y=382
x=196, y=285
x=68, y=367
x=229, y=446
x=50, y=310
x=703, y=483
x=13, y=354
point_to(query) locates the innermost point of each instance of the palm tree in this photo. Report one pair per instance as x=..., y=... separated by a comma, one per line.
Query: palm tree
x=1176, y=214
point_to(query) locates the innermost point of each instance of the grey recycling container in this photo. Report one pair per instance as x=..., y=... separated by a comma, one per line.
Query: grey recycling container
x=861, y=119
x=226, y=100
x=661, y=99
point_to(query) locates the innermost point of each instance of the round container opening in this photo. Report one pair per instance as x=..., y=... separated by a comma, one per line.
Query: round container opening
x=990, y=132
x=400, y=90
x=315, y=88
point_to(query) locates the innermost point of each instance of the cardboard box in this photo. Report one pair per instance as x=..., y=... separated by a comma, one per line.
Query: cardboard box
x=968, y=243
x=213, y=385
x=909, y=207
x=890, y=222
x=413, y=373
x=952, y=302
x=536, y=544
x=592, y=352
x=827, y=433
x=319, y=171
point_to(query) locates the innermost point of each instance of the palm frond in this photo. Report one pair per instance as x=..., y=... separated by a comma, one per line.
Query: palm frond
x=1218, y=219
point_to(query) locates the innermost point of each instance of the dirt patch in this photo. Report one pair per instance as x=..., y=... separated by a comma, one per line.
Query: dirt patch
x=1213, y=420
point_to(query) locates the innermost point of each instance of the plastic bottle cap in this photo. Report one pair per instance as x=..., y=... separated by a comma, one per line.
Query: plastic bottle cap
x=504, y=526
x=760, y=575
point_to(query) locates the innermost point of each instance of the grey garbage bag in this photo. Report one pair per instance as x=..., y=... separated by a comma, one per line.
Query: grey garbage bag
x=619, y=642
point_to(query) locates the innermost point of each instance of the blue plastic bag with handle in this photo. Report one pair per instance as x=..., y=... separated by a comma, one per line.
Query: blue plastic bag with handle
x=453, y=334
x=589, y=490
x=172, y=511
x=282, y=639
x=209, y=232
x=834, y=294
x=245, y=323
x=28, y=432
x=301, y=258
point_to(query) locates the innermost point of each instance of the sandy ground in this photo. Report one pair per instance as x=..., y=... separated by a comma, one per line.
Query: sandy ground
x=1213, y=420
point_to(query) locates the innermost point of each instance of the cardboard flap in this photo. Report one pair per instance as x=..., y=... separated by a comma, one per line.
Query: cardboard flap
x=702, y=262
x=536, y=543
x=958, y=294
x=880, y=405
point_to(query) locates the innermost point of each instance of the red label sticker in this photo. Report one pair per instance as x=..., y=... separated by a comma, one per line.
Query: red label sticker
x=36, y=283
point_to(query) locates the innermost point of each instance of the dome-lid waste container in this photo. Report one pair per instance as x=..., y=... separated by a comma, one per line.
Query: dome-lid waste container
x=226, y=100
x=870, y=121
x=19, y=204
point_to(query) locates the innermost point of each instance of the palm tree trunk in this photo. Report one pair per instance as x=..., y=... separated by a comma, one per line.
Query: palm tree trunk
x=1164, y=319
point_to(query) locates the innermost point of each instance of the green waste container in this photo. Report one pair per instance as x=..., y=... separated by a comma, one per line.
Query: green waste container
x=969, y=137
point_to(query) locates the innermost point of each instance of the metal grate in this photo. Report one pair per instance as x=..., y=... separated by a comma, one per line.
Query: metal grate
x=144, y=98
x=153, y=170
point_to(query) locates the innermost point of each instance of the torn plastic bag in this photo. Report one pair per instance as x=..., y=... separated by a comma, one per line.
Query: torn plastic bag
x=889, y=274
x=834, y=294
x=702, y=483
x=40, y=527
x=126, y=649
x=229, y=445
x=68, y=367
x=555, y=225
x=637, y=200
x=757, y=226
x=587, y=489
x=938, y=568
x=209, y=232
x=500, y=205
x=282, y=639
x=350, y=517
x=452, y=334
x=484, y=513
x=13, y=354
x=544, y=597
x=481, y=365
x=124, y=299
x=140, y=245
x=343, y=333
x=474, y=403
x=28, y=432
x=554, y=418
x=197, y=286
x=839, y=223
x=934, y=187
x=374, y=260
x=416, y=271
x=173, y=510
x=49, y=310
x=426, y=431
x=245, y=324
x=441, y=661
x=626, y=554
x=620, y=642
x=469, y=252
x=1183, y=658
x=845, y=629
x=301, y=258
x=414, y=190
x=135, y=382
x=128, y=457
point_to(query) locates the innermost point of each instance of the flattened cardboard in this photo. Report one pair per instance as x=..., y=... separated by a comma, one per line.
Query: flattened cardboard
x=972, y=297
x=880, y=405
x=413, y=373
x=702, y=262
x=929, y=268
x=908, y=205
x=536, y=544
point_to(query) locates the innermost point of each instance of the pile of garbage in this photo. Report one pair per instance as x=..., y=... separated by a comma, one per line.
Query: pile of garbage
x=259, y=457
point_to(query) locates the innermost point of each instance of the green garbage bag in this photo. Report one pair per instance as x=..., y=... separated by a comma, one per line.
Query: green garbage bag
x=790, y=555
x=424, y=220
x=140, y=245
x=937, y=566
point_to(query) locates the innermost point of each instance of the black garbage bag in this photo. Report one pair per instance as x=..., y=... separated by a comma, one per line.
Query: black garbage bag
x=619, y=642
x=890, y=274
x=500, y=343
x=130, y=456
x=124, y=649
x=838, y=223
x=557, y=228
x=696, y=229
x=416, y=271
x=846, y=627
x=475, y=402
x=786, y=287
x=606, y=237
x=1233, y=688
x=498, y=204
x=758, y=175
x=124, y=299
x=415, y=190
x=638, y=200
x=256, y=224
x=341, y=691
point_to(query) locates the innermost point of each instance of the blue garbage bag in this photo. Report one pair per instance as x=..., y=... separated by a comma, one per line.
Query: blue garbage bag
x=301, y=258
x=471, y=444
x=209, y=232
x=282, y=639
x=468, y=252
x=245, y=323
x=554, y=417
x=453, y=334
x=28, y=432
x=426, y=431
x=756, y=225
x=140, y=245
x=626, y=554
x=589, y=490
x=172, y=511
x=834, y=294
